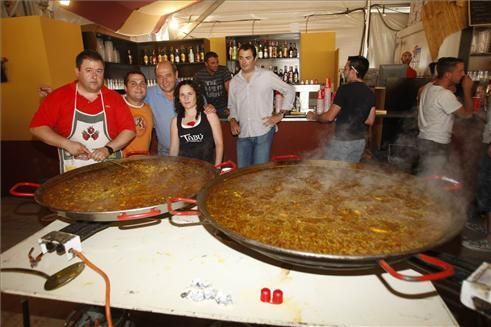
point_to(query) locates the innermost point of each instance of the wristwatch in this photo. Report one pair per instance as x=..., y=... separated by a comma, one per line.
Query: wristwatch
x=109, y=149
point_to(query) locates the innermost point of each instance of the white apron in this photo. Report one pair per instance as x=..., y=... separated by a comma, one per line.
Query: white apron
x=89, y=130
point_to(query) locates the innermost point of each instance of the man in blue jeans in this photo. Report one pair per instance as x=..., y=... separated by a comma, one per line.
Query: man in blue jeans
x=250, y=102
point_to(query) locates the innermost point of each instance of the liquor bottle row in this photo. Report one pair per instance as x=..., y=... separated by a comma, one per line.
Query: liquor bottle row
x=174, y=55
x=118, y=84
x=266, y=49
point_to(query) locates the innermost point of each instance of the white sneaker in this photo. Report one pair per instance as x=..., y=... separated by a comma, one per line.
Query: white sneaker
x=476, y=227
x=478, y=245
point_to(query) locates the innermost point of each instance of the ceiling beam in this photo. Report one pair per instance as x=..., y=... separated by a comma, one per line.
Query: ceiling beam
x=204, y=15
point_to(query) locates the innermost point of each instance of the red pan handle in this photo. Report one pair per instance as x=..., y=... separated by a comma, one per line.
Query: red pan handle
x=286, y=157
x=137, y=153
x=13, y=189
x=448, y=270
x=451, y=184
x=182, y=213
x=225, y=164
x=153, y=212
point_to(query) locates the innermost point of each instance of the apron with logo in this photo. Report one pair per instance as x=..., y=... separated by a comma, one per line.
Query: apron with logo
x=89, y=130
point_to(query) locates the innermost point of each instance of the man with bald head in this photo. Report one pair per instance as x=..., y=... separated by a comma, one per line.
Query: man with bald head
x=161, y=99
x=406, y=59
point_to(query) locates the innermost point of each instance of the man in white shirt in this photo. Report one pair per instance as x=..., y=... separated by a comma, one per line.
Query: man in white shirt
x=436, y=110
x=250, y=103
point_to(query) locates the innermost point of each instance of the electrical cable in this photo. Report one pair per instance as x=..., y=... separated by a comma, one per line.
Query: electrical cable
x=383, y=20
x=107, y=304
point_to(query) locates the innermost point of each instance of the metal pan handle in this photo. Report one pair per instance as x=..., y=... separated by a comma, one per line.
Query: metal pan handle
x=226, y=164
x=448, y=270
x=451, y=185
x=182, y=213
x=151, y=213
x=13, y=190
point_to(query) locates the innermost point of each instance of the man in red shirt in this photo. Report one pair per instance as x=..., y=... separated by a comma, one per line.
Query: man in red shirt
x=406, y=59
x=86, y=121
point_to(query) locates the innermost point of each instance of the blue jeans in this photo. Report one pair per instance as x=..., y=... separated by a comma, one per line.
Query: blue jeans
x=350, y=151
x=254, y=150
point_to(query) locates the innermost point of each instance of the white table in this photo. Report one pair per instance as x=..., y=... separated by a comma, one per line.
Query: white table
x=150, y=267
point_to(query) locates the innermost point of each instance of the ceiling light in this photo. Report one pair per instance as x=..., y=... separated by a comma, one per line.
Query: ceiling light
x=64, y=2
x=173, y=23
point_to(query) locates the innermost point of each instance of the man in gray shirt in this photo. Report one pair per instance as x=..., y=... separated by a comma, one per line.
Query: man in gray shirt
x=214, y=80
x=250, y=102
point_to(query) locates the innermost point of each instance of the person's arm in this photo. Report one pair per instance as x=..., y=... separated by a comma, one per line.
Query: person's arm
x=49, y=136
x=326, y=117
x=234, y=126
x=463, y=113
x=226, y=84
x=285, y=89
x=233, y=117
x=371, y=117
x=174, y=138
x=467, y=88
x=216, y=129
x=119, y=142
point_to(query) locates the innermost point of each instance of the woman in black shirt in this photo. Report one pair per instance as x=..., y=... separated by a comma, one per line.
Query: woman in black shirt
x=194, y=134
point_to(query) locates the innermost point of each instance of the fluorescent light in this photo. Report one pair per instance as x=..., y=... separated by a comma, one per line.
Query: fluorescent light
x=173, y=23
x=64, y=2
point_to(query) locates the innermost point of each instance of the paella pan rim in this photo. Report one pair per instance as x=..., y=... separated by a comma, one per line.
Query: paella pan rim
x=306, y=257
x=112, y=215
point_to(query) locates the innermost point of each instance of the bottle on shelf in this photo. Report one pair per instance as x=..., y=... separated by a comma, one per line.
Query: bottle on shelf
x=290, y=51
x=160, y=57
x=201, y=54
x=145, y=57
x=260, y=53
x=320, y=102
x=171, y=55
x=279, y=50
x=327, y=95
x=165, y=57
x=295, y=50
x=154, y=57
x=183, y=55
x=285, y=50
x=265, y=50
x=191, y=55
x=197, y=55
x=290, y=75
x=177, y=56
x=280, y=73
x=295, y=75
x=130, y=57
x=234, y=51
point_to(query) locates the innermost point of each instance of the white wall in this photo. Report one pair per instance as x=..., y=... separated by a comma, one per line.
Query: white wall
x=450, y=46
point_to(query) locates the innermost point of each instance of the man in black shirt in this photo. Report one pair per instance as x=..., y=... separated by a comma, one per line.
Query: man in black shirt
x=213, y=80
x=353, y=109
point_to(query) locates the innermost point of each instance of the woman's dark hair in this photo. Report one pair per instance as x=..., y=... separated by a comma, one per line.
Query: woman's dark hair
x=200, y=102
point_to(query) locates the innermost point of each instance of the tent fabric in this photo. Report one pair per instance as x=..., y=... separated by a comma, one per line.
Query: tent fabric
x=150, y=22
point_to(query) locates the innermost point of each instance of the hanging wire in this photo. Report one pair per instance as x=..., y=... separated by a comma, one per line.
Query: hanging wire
x=307, y=24
x=383, y=19
x=253, y=23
